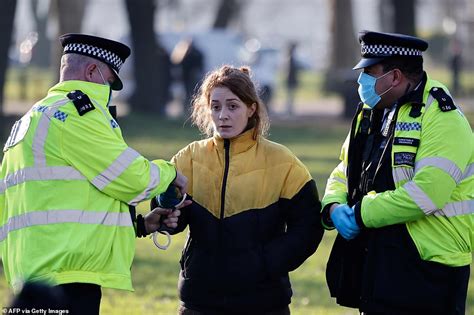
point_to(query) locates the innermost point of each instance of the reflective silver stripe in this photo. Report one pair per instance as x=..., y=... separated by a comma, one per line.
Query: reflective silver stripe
x=340, y=180
x=429, y=101
x=154, y=181
x=442, y=163
x=402, y=174
x=344, y=168
x=456, y=208
x=104, y=112
x=64, y=216
x=420, y=198
x=121, y=163
x=468, y=172
x=41, y=132
x=40, y=173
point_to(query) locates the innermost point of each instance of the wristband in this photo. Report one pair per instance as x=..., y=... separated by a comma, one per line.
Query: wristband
x=141, y=230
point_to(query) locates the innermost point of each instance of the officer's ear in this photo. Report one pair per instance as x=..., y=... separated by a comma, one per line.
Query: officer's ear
x=89, y=72
x=398, y=77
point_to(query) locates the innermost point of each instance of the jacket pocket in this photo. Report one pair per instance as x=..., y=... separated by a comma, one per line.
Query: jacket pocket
x=403, y=279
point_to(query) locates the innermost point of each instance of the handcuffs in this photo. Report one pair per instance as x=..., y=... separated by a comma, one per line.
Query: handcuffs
x=170, y=199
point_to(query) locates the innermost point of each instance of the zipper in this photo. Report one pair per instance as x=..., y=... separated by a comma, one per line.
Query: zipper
x=226, y=172
x=221, y=257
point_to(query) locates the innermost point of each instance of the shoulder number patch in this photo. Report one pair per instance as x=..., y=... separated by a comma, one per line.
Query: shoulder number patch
x=445, y=102
x=81, y=101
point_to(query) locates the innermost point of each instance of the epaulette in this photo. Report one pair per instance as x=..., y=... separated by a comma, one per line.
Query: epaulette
x=81, y=101
x=445, y=102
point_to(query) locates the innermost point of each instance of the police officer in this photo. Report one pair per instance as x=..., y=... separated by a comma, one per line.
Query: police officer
x=67, y=181
x=402, y=196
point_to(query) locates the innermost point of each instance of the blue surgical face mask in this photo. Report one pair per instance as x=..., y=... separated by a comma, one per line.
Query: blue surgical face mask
x=106, y=83
x=367, y=89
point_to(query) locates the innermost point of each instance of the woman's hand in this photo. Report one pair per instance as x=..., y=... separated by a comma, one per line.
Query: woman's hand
x=153, y=218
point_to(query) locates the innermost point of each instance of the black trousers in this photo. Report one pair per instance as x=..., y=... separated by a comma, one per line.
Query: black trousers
x=186, y=311
x=82, y=298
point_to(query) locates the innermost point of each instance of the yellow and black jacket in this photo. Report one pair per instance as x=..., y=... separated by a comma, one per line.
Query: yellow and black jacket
x=254, y=217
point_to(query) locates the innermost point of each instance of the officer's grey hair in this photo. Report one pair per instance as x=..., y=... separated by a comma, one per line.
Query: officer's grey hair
x=72, y=65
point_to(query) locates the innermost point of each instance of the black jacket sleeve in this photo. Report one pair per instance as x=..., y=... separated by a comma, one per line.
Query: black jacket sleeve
x=303, y=234
x=183, y=219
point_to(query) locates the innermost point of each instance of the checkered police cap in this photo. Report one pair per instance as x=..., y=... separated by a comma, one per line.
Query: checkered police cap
x=388, y=51
x=108, y=51
x=376, y=47
x=104, y=55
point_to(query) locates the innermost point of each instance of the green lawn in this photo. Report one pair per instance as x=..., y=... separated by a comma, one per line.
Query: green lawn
x=155, y=272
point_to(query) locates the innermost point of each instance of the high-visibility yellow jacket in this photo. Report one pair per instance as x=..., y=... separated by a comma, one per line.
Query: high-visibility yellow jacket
x=433, y=171
x=66, y=183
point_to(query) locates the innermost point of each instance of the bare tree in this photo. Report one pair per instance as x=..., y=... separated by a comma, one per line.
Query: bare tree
x=339, y=77
x=42, y=50
x=7, y=14
x=151, y=61
x=385, y=11
x=226, y=12
x=343, y=43
x=404, y=16
x=69, y=15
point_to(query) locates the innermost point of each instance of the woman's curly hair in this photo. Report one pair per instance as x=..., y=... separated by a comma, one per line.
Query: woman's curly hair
x=239, y=82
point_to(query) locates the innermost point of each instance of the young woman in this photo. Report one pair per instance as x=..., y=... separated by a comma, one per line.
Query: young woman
x=255, y=214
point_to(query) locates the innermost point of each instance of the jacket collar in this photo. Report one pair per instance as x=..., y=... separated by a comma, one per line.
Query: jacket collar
x=415, y=95
x=238, y=144
x=97, y=92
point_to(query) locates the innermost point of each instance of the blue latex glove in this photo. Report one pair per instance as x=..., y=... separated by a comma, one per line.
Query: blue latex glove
x=344, y=220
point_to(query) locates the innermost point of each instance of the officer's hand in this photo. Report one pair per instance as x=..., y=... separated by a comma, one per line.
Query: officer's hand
x=344, y=220
x=181, y=182
x=352, y=218
x=152, y=219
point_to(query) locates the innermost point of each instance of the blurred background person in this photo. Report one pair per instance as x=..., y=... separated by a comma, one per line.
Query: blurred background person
x=456, y=65
x=264, y=71
x=291, y=77
x=190, y=61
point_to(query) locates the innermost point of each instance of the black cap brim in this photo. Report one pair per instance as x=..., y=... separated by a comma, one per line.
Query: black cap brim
x=367, y=62
x=117, y=85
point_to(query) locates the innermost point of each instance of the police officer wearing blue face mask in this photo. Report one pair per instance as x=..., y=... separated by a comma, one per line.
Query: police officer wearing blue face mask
x=401, y=198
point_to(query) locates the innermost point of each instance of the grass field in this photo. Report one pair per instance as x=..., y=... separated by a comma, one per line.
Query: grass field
x=155, y=272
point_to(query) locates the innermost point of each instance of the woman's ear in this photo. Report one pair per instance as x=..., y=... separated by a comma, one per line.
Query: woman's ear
x=251, y=110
